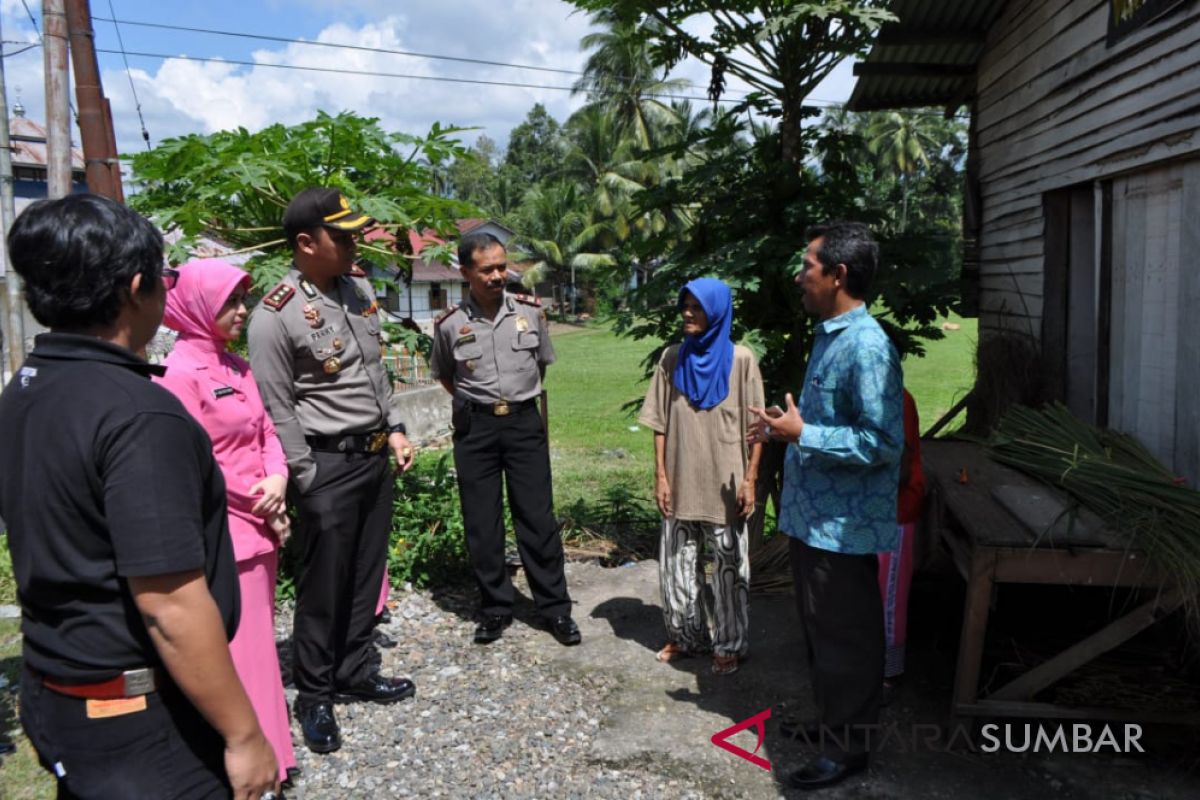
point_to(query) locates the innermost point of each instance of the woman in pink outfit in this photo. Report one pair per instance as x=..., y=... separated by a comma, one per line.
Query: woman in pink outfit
x=207, y=308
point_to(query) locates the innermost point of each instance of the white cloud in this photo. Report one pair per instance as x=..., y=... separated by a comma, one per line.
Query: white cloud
x=179, y=96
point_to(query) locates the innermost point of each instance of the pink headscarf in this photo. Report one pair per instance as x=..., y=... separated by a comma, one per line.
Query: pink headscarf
x=203, y=287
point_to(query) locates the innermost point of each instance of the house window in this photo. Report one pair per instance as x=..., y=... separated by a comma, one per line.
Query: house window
x=1127, y=16
x=437, y=296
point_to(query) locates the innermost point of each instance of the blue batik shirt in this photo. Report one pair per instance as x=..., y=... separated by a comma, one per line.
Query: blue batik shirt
x=840, y=478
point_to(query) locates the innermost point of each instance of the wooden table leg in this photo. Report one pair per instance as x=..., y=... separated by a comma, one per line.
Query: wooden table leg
x=974, y=627
x=1024, y=687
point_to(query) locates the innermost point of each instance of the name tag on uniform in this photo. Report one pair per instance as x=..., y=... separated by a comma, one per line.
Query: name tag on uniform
x=100, y=709
x=470, y=337
x=312, y=337
x=224, y=391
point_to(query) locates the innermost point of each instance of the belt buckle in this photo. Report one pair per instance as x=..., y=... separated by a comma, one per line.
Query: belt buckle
x=501, y=409
x=138, y=681
x=377, y=441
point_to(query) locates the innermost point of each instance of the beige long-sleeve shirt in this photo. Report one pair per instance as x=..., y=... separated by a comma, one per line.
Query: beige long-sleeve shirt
x=706, y=451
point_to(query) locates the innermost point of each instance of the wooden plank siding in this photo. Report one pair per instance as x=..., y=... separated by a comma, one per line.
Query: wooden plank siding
x=1057, y=107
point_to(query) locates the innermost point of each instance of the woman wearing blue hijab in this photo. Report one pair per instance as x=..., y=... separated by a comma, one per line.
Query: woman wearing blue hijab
x=698, y=407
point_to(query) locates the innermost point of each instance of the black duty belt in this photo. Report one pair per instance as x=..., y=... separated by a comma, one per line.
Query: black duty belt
x=502, y=408
x=375, y=442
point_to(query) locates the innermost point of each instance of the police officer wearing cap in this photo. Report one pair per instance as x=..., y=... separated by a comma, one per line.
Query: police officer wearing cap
x=316, y=353
x=490, y=352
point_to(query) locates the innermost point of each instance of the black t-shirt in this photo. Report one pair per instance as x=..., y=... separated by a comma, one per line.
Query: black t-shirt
x=103, y=476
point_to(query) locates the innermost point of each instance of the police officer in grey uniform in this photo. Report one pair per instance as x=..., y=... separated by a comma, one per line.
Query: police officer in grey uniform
x=316, y=352
x=490, y=352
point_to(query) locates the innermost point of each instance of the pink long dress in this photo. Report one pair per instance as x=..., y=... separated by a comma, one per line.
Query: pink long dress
x=218, y=390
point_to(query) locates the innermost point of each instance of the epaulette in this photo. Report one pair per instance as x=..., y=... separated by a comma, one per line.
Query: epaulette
x=278, y=297
x=528, y=299
x=357, y=271
x=442, y=317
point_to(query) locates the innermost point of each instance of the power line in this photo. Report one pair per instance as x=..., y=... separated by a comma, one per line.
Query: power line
x=31, y=19
x=362, y=48
x=129, y=74
x=375, y=74
x=41, y=40
x=24, y=49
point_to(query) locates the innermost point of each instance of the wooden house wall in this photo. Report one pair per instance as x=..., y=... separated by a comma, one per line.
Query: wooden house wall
x=1057, y=107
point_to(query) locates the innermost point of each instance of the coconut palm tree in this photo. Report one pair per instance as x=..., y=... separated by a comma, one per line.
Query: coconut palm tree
x=902, y=142
x=621, y=77
x=558, y=236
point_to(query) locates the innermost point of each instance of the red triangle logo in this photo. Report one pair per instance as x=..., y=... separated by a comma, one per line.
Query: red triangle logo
x=721, y=738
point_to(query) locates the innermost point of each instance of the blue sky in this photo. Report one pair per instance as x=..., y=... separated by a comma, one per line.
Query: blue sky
x=179, y=97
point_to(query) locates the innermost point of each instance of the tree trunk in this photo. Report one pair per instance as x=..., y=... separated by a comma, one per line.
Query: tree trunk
x=789, y=133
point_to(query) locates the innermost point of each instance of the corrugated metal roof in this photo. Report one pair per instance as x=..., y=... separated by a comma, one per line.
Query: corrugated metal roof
x=926, y=58
x=29, y=144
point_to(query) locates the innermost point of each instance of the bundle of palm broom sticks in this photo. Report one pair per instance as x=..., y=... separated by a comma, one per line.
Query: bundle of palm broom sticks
x=1113, y=475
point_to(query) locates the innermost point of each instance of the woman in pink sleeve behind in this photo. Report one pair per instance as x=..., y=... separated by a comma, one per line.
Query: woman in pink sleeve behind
x=207, y=308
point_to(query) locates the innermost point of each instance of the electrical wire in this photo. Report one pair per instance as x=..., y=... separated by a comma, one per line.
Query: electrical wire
x=24, y=49
x=41, y=41
x=31, y=19
x=128, y=73
x=361, y=48
x=376, y=74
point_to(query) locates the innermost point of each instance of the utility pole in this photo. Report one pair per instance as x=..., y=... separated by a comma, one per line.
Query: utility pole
x=95, y=121
x=14, y=307
x=58, y=118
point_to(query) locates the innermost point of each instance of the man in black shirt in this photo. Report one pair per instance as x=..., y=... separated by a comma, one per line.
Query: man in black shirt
x=116, y=520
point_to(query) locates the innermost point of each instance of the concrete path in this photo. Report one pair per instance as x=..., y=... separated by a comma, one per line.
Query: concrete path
x=662, y=717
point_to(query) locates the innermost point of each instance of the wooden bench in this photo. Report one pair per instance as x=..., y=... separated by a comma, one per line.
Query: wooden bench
x=986, y=515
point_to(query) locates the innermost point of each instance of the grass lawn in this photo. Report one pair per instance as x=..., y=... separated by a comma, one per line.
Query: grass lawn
x=945, y=374
x=21, y=777
x=594, y=443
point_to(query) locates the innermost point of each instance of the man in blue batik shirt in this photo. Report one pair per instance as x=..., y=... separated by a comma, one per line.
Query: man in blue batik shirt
x=839, y=494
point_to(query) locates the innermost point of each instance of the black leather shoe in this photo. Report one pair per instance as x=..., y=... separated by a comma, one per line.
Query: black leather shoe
x=565, y=630
x=378, y=689
x=319, y=726
x=490, y=627
x=825, y=771
x=382, y=640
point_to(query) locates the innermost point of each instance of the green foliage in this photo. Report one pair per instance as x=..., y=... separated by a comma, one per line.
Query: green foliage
x=534, y=147
x=750, y=222
x=781, y=49
x=556, y=232
x=470, y=172
x=8, y=581
x=622, y=79
x=624, y=517
x=428, y=545
x=234, y=185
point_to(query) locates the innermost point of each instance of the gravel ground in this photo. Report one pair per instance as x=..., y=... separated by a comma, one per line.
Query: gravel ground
x=487, y=721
